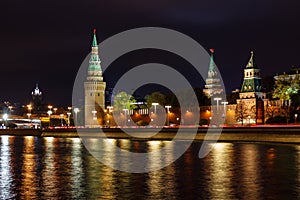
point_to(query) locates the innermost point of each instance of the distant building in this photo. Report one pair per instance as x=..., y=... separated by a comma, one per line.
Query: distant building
x=291, y=75
x=250, y=106
x=212, y=83
x=37, y=103
x=94, y=89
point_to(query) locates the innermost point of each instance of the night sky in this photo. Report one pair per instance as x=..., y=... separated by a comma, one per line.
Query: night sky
x=45, y=41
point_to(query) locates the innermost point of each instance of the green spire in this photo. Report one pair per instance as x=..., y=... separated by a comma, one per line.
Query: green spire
x=212, y=62
x=94, y=62
x=94, y=44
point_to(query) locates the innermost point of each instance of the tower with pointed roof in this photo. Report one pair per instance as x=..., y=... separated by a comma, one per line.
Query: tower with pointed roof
x=251, y=95
x=252, y=86
x=37, y=100
x=94, y=89
x=212, y=83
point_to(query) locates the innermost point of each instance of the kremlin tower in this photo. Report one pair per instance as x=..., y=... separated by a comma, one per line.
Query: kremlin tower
x=212, y=86
x=251, y=102
x=94, y=89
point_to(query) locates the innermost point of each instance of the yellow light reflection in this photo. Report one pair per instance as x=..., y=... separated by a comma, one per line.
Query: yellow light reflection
x=28, y=169
x=250, y=173
x=77, y=167
x=164, y=178
x=49, y=176
x=5, y=169
x=221, y=172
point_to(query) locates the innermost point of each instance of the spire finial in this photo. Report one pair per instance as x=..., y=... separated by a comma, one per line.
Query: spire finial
x=211, y=62
x=251, y=62
x=94, y=44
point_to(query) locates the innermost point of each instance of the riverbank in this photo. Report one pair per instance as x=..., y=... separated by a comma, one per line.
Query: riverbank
x=283, y=134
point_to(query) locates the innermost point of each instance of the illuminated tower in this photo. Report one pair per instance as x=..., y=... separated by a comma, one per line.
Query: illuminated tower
x=251, y=96
x=37, y=99
x=212, y=86
x=94, y=89
x=252, y=86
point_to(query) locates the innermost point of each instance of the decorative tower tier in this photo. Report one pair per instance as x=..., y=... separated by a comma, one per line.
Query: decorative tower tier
x=94, y=89
x=212, y=86
x=252, y=86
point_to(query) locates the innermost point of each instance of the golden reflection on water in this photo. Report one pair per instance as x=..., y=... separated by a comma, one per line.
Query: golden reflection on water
x=163, y=179
x=109, y=155
x=48, y=174
x=298, y=166
x=76, y=167
x=100, y=178
x=250, y=157
x=5, y=169
x=51, y=168
x=221, y=171
x=28, y=185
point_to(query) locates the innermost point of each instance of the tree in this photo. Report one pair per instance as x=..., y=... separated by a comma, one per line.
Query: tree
x=285, y=87
x=155, y=97
x=241, y=112
x=124, y=101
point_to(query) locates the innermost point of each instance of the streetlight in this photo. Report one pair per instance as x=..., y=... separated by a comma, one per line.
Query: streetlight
x=168, y=110
x=49, y=112
x=224, y=112
x=76, y=110
x=29, y=107
x=217, y=99
x=94, y=112
x=10, y=107
x=61, y=119
x=54, y=109
x=109, y=108
x=50, y=107
x=296, y=115
x=125, y=111
x=28, y=115
x=5, y=117
x=69, y=114
x=155, y=104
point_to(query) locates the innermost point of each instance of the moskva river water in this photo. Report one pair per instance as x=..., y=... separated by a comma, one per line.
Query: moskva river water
x=62, y=168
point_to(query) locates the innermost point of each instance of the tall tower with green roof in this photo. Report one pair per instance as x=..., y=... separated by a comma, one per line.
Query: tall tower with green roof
x=252, y=97
x=212, y=83
x=94, y=89
x=252, y=86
